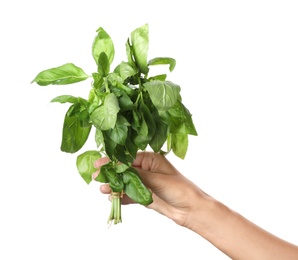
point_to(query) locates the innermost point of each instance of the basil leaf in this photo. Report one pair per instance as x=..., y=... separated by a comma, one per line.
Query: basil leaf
x=104, y=117
x=163, y=94
x=99, y=139
x=97, y=80
x=129, y=54
x=165, y=60
x=126, y=70
x=65, y=99
x=84, y=118
x=130, y=145
x=125, y=102
x=103, y=64
x=179, y=144
x=103, y=43
x=181, y=120
x=140, y=45
x=121, y=155
x=119, y=133
x=109, y=175
x=160, y=136
x=65, y=74
x=109, y=145
x=85, y=162
x=74, y=136
x=161, y=77
x=134, y=187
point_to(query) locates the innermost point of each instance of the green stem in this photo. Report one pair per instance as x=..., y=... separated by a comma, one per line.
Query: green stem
x=106, y=83
x=115, y=214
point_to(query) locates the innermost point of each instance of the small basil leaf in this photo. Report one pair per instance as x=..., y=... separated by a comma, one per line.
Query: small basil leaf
x=179, y=144
x=103, y=43
x=103, y=64
x=165, y=60
x=65, y=99
x=105, y=116
x=85, y=164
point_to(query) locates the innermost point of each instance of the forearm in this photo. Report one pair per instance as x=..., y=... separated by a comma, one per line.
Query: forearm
x=236, y=236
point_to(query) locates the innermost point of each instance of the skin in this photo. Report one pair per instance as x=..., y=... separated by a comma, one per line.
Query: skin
x=186, y=204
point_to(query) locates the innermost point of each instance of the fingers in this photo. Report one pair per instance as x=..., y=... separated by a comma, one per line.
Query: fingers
x=105, y=189
x=150, y=161
x=101, y=161
x=98, y=163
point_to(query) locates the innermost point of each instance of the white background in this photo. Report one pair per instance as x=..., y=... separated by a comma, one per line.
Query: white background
x=237, y=65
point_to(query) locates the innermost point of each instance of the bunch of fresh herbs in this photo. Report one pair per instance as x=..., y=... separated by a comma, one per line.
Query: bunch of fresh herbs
x=130, y=111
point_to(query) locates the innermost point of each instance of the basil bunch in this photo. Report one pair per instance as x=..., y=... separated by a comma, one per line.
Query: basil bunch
x=130, y=111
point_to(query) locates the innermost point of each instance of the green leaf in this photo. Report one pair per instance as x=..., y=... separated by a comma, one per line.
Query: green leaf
x=103, y=43
x=120, y=167
x=179, y=144
x=109, y=175
x=134, y=187
x=97, y=80
x=130, y=145
x=129, y=54
x=121, y=155
x=65, y=99
x=103, y=64
x=85, y=164
x=163, y=61
x=125, y=102
x=109, y=145
x=163, y=94
x=119, y=133
x=181, y=120
x=105, y=116
x=160, y=136
x=161, y=77
x=126, y=70
x=140, y=45
x=74, y=136
x=84, y=118
x=99, y=140
x=65, y=74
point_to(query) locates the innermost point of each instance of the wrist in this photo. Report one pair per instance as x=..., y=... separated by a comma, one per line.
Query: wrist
x=206, y=216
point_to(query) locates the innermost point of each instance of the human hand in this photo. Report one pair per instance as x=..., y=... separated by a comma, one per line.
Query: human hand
x=173, y=194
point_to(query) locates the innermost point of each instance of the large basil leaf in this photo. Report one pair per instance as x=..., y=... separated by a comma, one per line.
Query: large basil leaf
x=74, y=136
x=163, y=94
x=140, y=45
x=85, y=164
x=65, y=74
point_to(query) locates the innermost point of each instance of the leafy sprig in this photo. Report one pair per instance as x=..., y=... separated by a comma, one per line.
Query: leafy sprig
x=129, y=110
